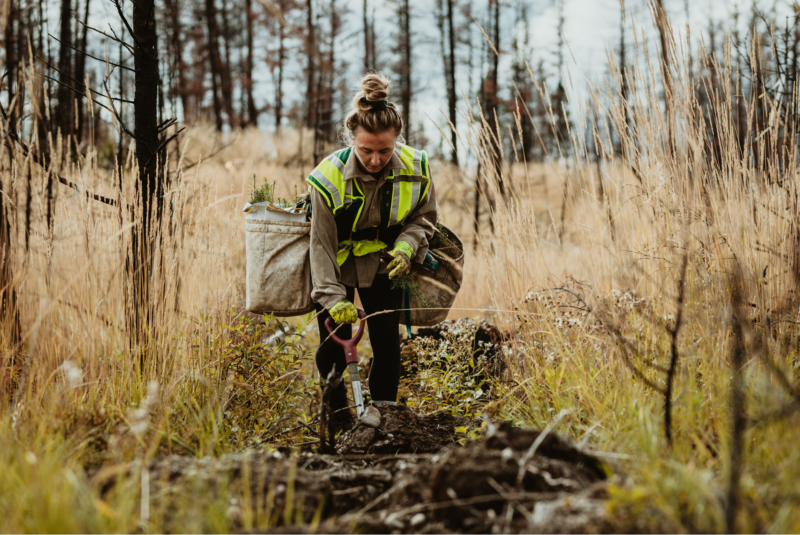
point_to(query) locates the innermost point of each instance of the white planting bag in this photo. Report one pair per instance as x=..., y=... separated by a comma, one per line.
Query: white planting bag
x=278, y=263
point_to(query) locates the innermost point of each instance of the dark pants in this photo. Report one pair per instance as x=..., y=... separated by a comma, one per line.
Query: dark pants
x=384, y=375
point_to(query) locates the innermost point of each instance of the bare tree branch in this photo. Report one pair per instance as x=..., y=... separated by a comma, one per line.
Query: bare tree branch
x=164, y=144
x=122, y=124
x=114, y=38
x=81, y=84
x=91, y=56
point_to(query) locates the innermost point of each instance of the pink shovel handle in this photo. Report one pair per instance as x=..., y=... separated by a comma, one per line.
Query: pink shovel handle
x=349, y=346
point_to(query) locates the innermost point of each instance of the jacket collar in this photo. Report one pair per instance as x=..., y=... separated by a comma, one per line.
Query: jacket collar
x=351, y=169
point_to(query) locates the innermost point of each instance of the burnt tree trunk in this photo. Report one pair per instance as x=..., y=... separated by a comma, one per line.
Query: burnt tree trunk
x=12, y=62
x=80, y=75
x=173, y=10
x=9, y=313
x=225, y=68
x=214, y=60
x=624, y=81
x=311, y=45
x=404, y=15
x=451, y=79
x=368, y=60
x=149, y=187
x=280, y=65
x=492, y=98
x=663, y=28
x=63, y=115
x=252, y=111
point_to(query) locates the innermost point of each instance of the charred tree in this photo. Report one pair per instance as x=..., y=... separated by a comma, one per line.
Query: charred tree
x=173, y=17
x=225, y=68
x=451, y=79
x=666, y=74
x=214, y=59
x=80, y=75
x=311, y=52
x=247, y=82
x=63, y=115
x=9, y=312
x=403, y=66
x=12, y=60
x=524, y=90
x=279, y=66
x=623, y=65
x=369, y=38
x=149, y=186
x=491, y=100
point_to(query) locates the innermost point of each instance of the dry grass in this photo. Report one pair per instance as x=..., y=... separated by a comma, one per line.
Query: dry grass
x=74, y=396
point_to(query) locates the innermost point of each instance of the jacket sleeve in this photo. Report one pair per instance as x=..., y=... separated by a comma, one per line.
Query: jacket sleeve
x=327, y=291
x=419, y=228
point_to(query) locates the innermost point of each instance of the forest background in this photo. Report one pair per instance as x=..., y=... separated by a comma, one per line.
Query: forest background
x=629, y=205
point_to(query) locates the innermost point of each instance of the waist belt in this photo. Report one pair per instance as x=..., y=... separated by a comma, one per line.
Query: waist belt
x=386, y=234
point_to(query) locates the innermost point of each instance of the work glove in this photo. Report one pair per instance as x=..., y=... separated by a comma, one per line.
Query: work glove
x=401, y=263
x=344, y=312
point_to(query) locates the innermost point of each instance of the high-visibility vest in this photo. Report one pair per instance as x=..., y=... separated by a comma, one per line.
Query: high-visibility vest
x=403, y=191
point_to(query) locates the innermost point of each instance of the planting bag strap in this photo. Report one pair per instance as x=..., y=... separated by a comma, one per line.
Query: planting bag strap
x=407, y=301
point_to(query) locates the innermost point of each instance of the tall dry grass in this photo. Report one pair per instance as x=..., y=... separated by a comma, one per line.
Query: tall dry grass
x=582, y=282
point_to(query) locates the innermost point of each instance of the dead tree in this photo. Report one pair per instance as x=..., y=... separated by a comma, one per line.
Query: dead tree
x=214, y=60
x=444, y=22
x=279, y=64
x=623, y=137
x=491, y=100
x=225, y=68
x=403, y=65
x=173, y=18
x=369, y=62
x=311, y=71
x=451, y=79
x=666, y=74
x=247, y=82
x=80, y=74
x=63, y=114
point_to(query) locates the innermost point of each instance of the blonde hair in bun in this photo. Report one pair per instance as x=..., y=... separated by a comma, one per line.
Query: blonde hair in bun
x=374, y=118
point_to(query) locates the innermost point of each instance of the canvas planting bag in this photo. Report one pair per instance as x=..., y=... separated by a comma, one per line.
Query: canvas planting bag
x=278, y=264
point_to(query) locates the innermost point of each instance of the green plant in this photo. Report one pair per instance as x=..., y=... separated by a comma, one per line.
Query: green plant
x=262, y=193
x=408, y=283
x=446, y=375
x=266, y=193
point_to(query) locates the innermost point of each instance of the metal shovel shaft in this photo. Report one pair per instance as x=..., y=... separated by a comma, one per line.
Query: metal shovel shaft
x=355, y=382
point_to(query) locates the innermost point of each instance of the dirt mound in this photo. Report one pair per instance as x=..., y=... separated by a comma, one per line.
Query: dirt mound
x=511, y=481
x=398, y=429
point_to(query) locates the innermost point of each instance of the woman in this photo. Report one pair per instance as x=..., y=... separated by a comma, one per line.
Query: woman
x=372, y=201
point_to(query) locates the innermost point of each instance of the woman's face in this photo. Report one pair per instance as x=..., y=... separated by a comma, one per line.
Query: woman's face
x=374, y=150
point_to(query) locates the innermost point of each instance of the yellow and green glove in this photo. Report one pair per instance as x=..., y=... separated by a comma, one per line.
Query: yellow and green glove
x=401, y=263
x=344, y=312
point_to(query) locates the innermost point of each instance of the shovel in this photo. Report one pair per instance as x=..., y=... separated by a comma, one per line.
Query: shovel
x=351, y=355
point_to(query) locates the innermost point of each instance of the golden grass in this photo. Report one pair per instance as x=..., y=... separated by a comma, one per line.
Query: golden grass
x=75, y=396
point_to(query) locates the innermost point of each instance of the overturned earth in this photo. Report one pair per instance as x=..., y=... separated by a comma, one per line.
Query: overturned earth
x=397, y=472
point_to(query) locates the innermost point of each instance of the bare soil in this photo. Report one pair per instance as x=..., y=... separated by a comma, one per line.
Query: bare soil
x=404, y=475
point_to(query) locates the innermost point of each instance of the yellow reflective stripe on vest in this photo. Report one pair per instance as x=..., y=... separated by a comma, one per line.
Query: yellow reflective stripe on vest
x=412, y=160
x=330, y=175
x=359, y=248
x=405, y=197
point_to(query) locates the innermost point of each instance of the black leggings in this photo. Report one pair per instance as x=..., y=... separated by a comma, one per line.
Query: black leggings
x=384, y=375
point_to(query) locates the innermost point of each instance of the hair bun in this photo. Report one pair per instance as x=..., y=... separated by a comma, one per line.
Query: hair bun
x=374, y=87
x=372, y=110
